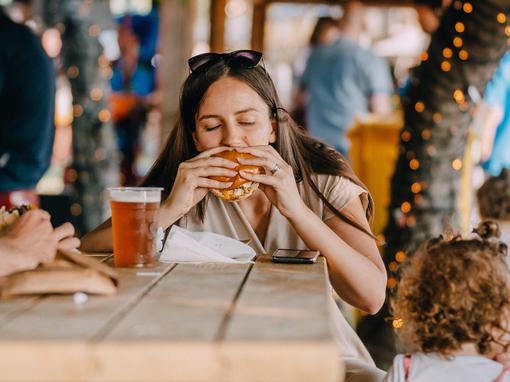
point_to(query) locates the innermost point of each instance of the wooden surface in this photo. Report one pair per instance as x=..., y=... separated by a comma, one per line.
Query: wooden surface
x=186, y=322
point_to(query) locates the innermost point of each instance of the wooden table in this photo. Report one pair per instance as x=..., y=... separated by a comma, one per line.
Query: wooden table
x=207, y=322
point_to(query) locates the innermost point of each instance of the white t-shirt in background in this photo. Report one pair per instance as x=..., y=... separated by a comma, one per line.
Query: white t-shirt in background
x=433, y=367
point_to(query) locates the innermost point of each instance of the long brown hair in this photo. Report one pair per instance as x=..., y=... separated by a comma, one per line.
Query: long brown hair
x=305, y=154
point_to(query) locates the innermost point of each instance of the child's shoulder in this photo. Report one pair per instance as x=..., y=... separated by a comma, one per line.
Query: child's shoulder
x=433, y=366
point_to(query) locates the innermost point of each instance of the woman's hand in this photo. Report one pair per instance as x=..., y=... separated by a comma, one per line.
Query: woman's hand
x=278, y=183
x=192, y=182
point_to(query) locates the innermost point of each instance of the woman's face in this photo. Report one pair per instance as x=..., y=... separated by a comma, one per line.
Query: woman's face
x=232, y=114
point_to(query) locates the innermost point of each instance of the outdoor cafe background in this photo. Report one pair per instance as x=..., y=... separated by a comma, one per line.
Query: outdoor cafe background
x=392, y=32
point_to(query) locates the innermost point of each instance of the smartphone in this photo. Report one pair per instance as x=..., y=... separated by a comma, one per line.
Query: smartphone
x=295, y=256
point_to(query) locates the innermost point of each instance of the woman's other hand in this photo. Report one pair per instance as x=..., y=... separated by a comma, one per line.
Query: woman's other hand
x=278, y=183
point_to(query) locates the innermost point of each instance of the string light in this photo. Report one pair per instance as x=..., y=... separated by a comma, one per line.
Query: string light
x=431, y=150
x=400, y=256
x=447, y=53
x=73, y=71
x=459, y=27
x=416, y=188
x=445, y=66
x=393, y=266
x=405, y=207
x=77, y=110
x=424, y=56
x=392, y=282
x=467, y=7
x=501, y=17
x=418, y=199
x=426, y=134
x=104, y=115
x=96, y=94
x=457, y=42
x=463, y=54
x=414, y=164
x=406, y=136
x=437, y=117
x=458, y=96
x=457, y=164
x=457, y=4
x=419, y=106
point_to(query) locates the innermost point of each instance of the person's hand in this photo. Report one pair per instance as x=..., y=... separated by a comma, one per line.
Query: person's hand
x=192, y=182
x=31, y=240
x=278, y=183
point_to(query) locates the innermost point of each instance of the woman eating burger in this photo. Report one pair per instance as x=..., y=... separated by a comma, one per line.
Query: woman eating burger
x=307, y=197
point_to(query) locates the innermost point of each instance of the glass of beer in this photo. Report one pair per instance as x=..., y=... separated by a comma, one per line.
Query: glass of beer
x=134, y=225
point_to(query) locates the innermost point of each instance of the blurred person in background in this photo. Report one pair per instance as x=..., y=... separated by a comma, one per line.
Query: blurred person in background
x=133, y=88
x=325, y=31
x=495, y=116
x=27, y=97
x=343, y=80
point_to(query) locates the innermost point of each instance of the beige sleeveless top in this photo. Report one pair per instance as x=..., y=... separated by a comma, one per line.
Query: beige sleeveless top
x=227, y=218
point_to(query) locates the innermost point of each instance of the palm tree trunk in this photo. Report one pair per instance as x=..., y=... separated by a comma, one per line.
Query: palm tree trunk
x=460, y=60
x=95, y=163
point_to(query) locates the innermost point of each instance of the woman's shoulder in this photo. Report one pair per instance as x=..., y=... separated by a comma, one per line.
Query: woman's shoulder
x=327, y=183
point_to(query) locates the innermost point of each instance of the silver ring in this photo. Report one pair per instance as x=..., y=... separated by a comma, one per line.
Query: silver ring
x=275, y=169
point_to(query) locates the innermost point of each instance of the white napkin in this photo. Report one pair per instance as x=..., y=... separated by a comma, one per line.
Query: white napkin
x=183, y=246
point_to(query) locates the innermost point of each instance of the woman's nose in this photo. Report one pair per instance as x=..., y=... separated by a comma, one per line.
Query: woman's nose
x=231, y=136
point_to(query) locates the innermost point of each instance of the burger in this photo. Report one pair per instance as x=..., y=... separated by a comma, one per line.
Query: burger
x=241, y=188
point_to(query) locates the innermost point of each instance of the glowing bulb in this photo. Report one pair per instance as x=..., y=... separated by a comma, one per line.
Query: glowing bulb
x=392, y=282
x=463, y=54
x=416, y=187
x=458, y=96
x=400, y=256
x=467, y=7
x=447, y=53
x=405, y=207
x=424, y=56
x=104, y=115
x=501, y=18
x=457, y=164
x=406, y=136
x=459, y=27
x=414, y=164
x=457, y=42
x=425, y=134
x=445, y=66
x=393, y=266
x=419, y=106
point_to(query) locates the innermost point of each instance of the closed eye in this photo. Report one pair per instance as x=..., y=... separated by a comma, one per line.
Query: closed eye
x=211, y=128
x=246, y=123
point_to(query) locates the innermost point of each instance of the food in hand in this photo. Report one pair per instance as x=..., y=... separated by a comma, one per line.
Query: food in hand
x=241, y=188
x=8, y=217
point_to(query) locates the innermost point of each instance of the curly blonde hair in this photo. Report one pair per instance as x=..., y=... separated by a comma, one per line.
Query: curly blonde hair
x=494, y=197
x=455, y=291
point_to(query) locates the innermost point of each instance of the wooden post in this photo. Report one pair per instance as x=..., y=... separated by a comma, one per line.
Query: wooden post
x=258, y=24
x=177, y=18
x=217, y=37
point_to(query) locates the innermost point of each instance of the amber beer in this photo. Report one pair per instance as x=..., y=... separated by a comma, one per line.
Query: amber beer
x=134, y=225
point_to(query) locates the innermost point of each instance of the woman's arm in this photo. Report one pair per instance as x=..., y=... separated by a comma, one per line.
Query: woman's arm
x=99, y=239
x=357, y=271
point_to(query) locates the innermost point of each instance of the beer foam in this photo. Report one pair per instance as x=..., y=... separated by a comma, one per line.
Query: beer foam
x=153, y=196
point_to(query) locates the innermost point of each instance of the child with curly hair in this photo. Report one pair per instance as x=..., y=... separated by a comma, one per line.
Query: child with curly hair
x=452, y=304
x=494, y=202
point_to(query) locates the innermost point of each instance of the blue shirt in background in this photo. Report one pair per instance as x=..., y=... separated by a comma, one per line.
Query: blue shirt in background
x=497, y=93
x=27, y=99
x=340, y=78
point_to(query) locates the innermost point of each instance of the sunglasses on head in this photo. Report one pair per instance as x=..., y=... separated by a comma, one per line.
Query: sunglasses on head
x=242, y=58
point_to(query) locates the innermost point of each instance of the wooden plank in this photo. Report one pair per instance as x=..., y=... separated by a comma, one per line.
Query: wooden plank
x=188, y=305
x=217, y=20
x=58, y=318
x=292, y=326
x=297, y=309
x=11, y=308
